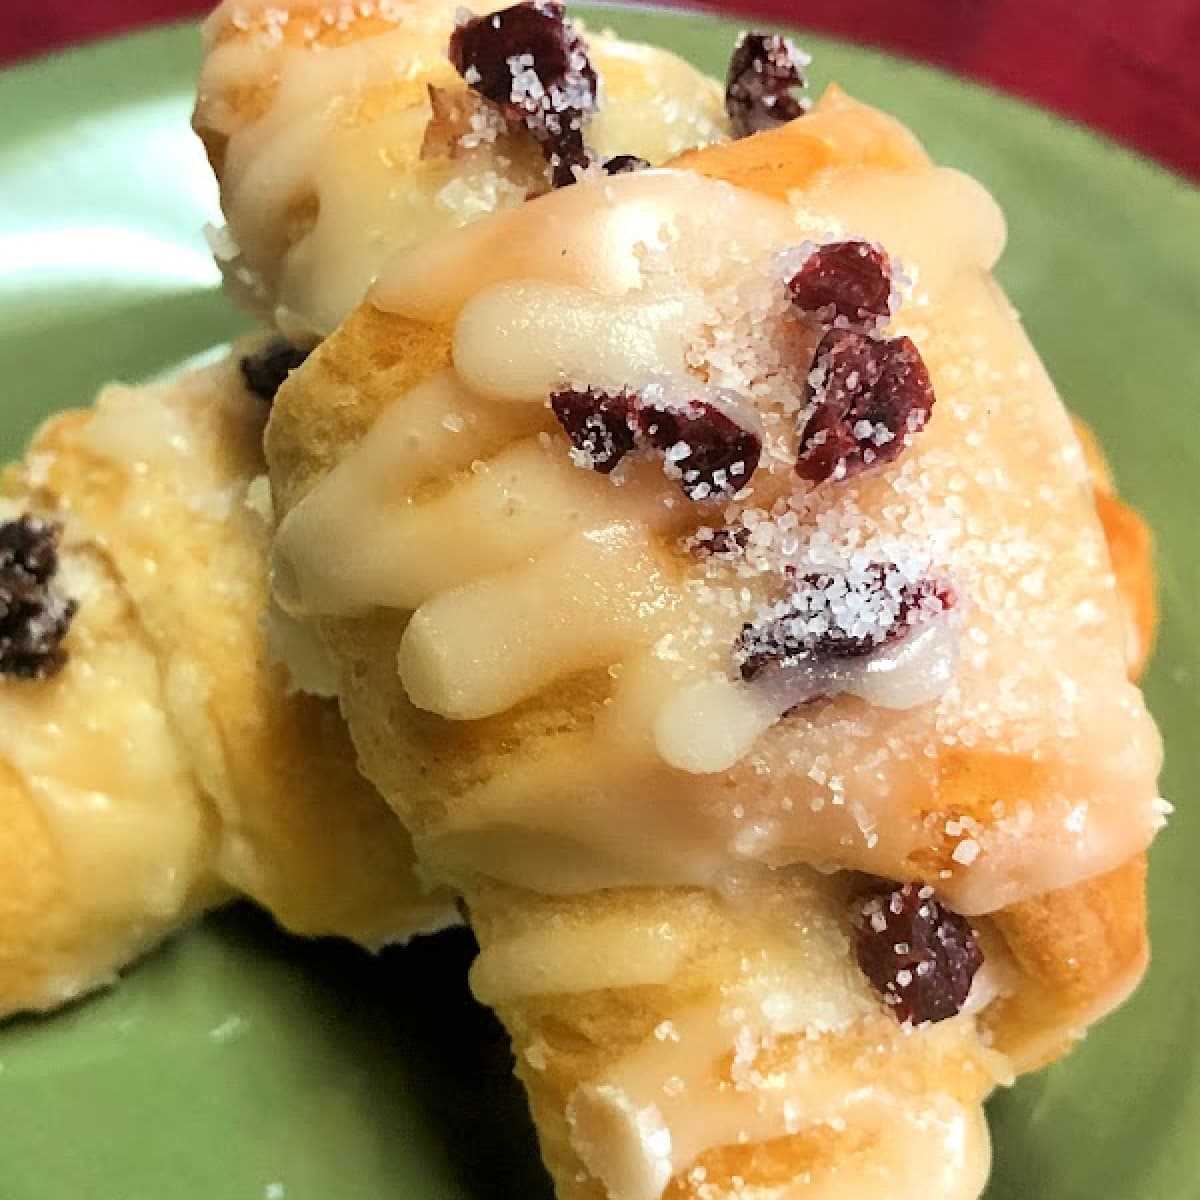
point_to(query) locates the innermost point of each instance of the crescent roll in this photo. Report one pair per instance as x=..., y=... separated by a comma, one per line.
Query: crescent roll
x=717, y=591
x=155, y=759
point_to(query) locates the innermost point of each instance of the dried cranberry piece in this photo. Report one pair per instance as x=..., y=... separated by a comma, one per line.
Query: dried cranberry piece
x=625, y=164
x=712, y=452
x=34, y=618
x=266, y=369
x=531, y=62
x=765, y=70
x=599, y=424
x=851, y=280
x=846, y=615
x=918, y=954
x=870, y=397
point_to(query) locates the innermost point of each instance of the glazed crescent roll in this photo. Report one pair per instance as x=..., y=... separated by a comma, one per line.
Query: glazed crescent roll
x=154, y=759
x=342, y=132
x=718, y=594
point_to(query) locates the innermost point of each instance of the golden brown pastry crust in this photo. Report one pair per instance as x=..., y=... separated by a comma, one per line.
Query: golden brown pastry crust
x=562, y=1038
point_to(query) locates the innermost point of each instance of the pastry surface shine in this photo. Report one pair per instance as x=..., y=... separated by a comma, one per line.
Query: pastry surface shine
x=536, y=621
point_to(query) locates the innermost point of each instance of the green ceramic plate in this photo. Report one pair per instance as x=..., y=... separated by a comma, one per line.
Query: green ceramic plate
x=236, y=1065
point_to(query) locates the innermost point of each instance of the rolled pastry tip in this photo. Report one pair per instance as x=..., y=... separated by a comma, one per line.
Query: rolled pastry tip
x=822, y=621
x=167, y=762
x=341, y=134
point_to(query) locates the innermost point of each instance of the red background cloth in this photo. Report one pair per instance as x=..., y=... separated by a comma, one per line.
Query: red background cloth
x=1130, y=68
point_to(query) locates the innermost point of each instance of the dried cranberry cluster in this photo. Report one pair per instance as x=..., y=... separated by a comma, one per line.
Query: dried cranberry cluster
x=828, y=616
x=866, y=395
x=265, y=371
x=708, y=451
x=765, y=72
x=34, y=617
x=532, y=64
x=918, y=954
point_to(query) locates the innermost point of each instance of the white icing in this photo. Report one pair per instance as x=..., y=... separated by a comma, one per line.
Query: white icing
x=609, y=952
x=628, y=1148
x=606, y=583
x=522, y=341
